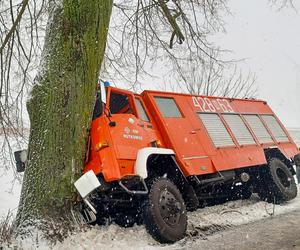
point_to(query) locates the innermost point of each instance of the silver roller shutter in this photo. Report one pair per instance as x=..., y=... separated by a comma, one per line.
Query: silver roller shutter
x=239, y=129
x=216, y=130
x=275, y=128
x=258, y=128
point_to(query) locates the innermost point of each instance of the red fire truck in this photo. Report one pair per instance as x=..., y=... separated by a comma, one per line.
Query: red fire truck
x=153, y=156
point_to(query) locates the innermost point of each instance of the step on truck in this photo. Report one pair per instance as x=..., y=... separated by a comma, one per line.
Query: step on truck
x=151, y=157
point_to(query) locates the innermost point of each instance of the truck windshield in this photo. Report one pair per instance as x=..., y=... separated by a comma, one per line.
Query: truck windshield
x=119, y=104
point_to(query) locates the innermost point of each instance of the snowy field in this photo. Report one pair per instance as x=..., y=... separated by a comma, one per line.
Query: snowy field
x=10, y=186
x=202, y=223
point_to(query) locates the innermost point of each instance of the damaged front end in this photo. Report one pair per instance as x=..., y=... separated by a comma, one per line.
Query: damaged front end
x=108, y=194
x=85, y=185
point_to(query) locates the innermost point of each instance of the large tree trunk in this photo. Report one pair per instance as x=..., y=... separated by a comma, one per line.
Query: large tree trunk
x=60, y=108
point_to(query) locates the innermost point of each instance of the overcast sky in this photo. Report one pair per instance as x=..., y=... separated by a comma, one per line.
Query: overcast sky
x=270, y=41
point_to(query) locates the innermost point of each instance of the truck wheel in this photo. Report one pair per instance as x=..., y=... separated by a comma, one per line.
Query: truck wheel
x=279, y=183
x=164, y=212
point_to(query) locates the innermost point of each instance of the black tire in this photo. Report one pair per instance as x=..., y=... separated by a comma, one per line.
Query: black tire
x=164, y=212
x=278, y=183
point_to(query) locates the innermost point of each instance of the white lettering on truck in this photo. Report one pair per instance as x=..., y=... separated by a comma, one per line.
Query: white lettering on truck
x=215, y=105
x=133, y=137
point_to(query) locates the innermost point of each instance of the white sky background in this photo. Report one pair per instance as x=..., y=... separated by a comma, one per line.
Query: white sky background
x=270, y=41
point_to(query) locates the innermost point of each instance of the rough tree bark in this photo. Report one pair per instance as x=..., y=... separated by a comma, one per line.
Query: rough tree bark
x=60, y=107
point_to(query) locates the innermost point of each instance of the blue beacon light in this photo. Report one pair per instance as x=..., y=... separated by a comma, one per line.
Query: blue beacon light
x=107, y=84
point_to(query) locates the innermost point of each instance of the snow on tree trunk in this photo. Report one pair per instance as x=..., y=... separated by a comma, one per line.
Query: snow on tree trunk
x=60, y=108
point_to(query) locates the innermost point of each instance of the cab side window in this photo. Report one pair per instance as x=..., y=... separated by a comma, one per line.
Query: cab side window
x=119, y=104
x=142, y=112
x=168, y=107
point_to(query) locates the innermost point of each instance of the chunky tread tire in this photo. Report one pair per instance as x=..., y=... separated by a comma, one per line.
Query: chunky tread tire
x=280, y=185
x=153, y=220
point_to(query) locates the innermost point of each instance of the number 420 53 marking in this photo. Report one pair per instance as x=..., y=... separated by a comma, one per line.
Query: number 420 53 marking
x=215, y=105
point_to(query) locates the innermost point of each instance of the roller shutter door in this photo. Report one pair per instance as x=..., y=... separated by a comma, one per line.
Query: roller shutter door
x=216, y=130
x=275, y=128
x=258, y=128
x=239, y=129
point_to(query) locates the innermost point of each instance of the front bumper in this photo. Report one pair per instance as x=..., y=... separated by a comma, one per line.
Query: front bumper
x=89, y=182
x=85, y=185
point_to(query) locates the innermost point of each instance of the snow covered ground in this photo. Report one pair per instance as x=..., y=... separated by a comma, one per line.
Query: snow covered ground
x=202, y=223
x=10, y=186
x=9, y=193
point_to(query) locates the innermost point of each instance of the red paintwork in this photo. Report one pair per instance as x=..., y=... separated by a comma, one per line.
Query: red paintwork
x=187, y=136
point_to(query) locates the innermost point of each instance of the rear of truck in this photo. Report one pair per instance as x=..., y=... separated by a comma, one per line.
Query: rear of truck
x=228, y=147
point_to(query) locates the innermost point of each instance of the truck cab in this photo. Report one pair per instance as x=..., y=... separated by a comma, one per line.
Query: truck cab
x=118, y=132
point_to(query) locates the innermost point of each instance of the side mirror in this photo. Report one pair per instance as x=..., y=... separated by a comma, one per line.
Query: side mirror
x=20, y=158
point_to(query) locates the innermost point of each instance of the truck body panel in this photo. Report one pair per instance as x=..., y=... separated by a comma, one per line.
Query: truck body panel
x=207, y=134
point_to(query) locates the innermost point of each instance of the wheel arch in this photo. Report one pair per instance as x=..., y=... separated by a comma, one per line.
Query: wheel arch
x=162, y=163
x=144, y=155
x=149, y=164
x=277, y=153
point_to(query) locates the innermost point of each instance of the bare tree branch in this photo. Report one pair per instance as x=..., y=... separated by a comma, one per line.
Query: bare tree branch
x=14, y=26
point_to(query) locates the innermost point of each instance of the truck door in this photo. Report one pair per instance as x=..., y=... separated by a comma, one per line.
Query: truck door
x=181, y=136
x=132, y=130
x=145, y=121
